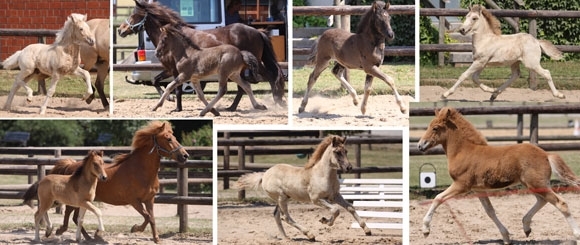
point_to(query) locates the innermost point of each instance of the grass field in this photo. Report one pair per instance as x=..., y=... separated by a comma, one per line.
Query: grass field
x=328, y=85
x=69, y=86
x=565, y=75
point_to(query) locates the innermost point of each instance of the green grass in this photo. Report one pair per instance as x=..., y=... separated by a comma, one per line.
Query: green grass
x=328, y=85
x=565, y=75
x=69, y=86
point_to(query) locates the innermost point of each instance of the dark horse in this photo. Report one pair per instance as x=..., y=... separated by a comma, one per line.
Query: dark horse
x=362, y=50
x=132, y=177
x=175, y=49
x=152, y=16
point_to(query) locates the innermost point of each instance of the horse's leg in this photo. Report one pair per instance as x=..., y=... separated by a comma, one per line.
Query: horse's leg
x=561, y=205
x=237, y=99
x=89, y=206
x=50, y=92
x=279, y=221
x=515, y=75
x=87, y=77
x=80, y=222
x=340, y=201
x=320, y=66
x=546, y=74
x=453, y=190
x=102, y=72
x=283, y=204
x=340, y=72
x=527, y=220
x=376, y=72
x=201, y=96
x=222, y=89
x=491, y=213
x=139, y=207
x=333, y=208
x=64, y=225
x=18, y=81
x=149, y=207
x=168, y=90
x=477, y=65
x=157, y=83
x=248, y=89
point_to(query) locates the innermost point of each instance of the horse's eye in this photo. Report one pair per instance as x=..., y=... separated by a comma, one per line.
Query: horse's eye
x=435, y=128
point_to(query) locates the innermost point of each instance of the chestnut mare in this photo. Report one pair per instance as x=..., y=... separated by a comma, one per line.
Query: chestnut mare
x=175, y=49
x=152, y=16
x=490, y=47
x=133, y=176
x=363, y=50
x=476, y=166
x=76, y=190
x=316, y=182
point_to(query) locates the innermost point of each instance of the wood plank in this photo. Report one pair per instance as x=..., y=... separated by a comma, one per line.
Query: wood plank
x=377, y=214
x=380, y=204
x=371, y=181
x=392, y=226
x=372, y=197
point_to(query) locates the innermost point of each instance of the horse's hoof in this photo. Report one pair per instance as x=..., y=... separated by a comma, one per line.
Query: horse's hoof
x=156, y=239
x=60, y=230
x=368, y=233
x=363, y=110
x=260, y=107
x=48, y=231
x=215, y=112
x=323, y=220
x=528, y=232
x=561, y=96
x=90, y=99
x=311, y=237
x=403, y=110
x=136, y=228
x=426, y=234
x=301, y=109
x=493, y=97
x=99, y=235
x=231, y=108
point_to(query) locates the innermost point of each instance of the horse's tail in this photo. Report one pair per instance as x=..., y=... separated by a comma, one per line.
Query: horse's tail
x=252, y=63
x=562, y=170
x=549, y=49
x=30, y=194
x=271, y=63
x=12, y=61
x=251, y=181
x=313, y=51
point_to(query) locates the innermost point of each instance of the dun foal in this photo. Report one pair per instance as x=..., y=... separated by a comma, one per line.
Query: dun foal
x=475, y=166
x=76, y=190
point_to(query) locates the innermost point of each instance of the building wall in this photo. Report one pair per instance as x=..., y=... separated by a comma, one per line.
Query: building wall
x=42, y=14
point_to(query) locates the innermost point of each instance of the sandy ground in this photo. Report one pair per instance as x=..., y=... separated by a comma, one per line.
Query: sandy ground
x=382, y=110
x=464, y=221
x=255, y=224
x=245, y=113
x=433, y=93
x=118, y=221
x=58, y=107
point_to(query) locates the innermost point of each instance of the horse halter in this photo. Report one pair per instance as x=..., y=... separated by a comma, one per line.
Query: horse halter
x=138, y=26
x=159, y=149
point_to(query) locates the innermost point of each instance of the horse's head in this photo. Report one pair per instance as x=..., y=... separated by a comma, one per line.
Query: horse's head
x=81, y=31
x=94, y=161
x=437, y=131
x=136, y=22
x=382, y=19
x=339, y=157
x=473, y=20
x=167, y=145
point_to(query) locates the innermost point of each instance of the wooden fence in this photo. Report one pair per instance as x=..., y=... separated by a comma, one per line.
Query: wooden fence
x=40, y=159
x=246, y=145
x=533, y=110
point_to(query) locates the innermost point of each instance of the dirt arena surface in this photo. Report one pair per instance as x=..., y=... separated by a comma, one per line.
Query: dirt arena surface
x=255, y=224
x=382, y=110
x=118, y=221
x=433, y=93
x=464, y=221
x=58, y=107
x=245, y=113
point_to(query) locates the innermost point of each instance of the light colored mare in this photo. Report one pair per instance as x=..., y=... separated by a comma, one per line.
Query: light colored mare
x=78, y=189
x=54, y=60
x=490, y=47
x=316, y=182
x=475, y=166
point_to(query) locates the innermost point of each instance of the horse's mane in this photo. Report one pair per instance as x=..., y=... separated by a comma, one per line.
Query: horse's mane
x=468, y=131
x=493, y=22
x=142, y=138
x=365, y=21
x=175, y=32
x=161, y=13
x=68, y=27
x=317, y=155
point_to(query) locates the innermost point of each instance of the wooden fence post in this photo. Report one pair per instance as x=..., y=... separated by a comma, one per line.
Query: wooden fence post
x=534, y=128
x=441, y=55
x=357, y=148
x=533, y=81
x=226, y=161
x=182, y=188
x=520, y=127
x=241, y=166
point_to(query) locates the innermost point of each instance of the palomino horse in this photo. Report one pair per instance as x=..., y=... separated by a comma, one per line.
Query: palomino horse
x=362, y=50
x=175, y=49
x=133, y=176
x=316, y=182
x=96, y=55
x=152, y=16
x=476, y=166
x=76, y=190
x=490, y=47
x=54, y=60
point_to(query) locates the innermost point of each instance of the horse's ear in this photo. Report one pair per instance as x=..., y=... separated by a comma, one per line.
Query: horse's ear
x=336, y=141
x=138, y=3
x=437, y=111
x=101, y=153
x=85, y=17
x=388, y=5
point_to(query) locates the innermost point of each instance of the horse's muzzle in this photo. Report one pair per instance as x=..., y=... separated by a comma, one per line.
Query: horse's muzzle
x=423, y=145
x=103, y=178
x=91, y=41
x=122, y=32
x=462, y=31
x=390, y=35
